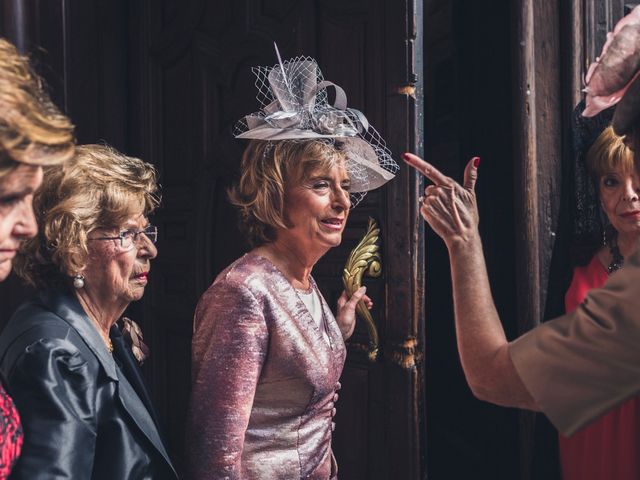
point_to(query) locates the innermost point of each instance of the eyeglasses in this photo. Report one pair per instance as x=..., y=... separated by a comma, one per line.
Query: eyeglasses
x=129, y=238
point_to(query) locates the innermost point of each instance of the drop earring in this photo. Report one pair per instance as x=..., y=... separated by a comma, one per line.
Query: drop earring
x=78, y=281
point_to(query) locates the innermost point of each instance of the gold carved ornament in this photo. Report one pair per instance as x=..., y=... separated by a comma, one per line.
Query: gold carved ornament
x=365, y=260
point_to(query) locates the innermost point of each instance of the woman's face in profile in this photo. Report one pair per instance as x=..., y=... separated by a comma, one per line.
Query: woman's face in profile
x=17, y=222
x=317, y=210
x=619, y=192
x=117, y=273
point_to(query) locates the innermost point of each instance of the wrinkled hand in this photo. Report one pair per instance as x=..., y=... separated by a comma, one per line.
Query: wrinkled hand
x=449, y=208
x=346, y=316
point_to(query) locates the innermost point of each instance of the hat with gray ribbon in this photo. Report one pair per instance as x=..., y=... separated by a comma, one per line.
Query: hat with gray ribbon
x=295, y=106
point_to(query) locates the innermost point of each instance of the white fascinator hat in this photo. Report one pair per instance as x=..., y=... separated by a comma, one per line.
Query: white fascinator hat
x=295, y=106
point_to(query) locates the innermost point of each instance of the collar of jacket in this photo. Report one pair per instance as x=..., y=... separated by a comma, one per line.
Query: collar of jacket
x=66, y=306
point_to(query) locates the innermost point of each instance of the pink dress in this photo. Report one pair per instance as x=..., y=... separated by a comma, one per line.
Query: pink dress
x=608, y=448
x=265, y=378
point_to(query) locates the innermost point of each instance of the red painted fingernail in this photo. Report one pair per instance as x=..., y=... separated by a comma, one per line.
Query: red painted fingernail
x=405, y=156
x=476, y=162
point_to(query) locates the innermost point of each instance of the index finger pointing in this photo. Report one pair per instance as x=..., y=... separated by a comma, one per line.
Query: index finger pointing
x=428, y=170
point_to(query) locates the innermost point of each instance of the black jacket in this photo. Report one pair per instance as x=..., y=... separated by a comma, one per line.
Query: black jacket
x=86, y=413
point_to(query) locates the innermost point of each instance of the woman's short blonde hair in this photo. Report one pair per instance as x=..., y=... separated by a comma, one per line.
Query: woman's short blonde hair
x=268, y=168
x=98, y=188
x=32, y=129
x=609, y=153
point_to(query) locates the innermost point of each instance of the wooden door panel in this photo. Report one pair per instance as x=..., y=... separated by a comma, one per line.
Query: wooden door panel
x=206, y=62
x=166, y=81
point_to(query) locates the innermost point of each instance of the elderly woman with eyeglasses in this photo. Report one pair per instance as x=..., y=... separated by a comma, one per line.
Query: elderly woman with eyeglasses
x=85, y=410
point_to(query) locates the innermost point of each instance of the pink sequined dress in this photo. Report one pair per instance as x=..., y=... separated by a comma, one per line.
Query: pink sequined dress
x=265, y=378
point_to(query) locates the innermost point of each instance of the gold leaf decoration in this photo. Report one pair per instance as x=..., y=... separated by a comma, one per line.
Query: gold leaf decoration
x=365, y=260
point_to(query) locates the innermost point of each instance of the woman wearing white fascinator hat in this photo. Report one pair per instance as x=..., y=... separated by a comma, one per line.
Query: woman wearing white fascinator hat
x=295, y=106
x=267, y=350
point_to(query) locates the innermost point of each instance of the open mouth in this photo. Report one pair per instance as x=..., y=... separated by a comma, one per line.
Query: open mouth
x=333, y=223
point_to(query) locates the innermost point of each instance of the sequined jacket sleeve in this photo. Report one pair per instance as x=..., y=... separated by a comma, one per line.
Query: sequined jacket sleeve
x=230, y=342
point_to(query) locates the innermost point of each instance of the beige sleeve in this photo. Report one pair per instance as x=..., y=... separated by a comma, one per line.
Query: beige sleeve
x=580, y=365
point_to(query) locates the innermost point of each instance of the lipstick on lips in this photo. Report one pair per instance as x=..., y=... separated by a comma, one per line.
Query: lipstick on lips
x=142, y=276
x=632, y=214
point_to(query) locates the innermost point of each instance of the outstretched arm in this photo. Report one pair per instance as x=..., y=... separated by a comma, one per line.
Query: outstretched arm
x=451, y=210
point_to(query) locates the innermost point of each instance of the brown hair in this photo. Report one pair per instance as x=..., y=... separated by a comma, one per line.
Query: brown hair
x=609, y=153
x=268, y=168
x=98, y=188
x=32, y=129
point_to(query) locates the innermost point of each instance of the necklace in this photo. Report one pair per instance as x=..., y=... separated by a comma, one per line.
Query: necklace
x=617, y=260
x=110, y=346
x=305, y=291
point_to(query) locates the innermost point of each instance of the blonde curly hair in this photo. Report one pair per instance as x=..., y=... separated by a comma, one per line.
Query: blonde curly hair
x=98, y=188
x=32, y=129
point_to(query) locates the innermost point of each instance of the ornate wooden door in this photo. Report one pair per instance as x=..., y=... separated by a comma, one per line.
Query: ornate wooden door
x=194, y=82
x=166, y=80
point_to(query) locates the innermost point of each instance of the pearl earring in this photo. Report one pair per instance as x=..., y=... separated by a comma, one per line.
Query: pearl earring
x=78, y=281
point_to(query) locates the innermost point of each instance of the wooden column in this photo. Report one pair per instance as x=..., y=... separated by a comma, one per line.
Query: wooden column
x=404, y=240
x=537, y=149
x=537, y=155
